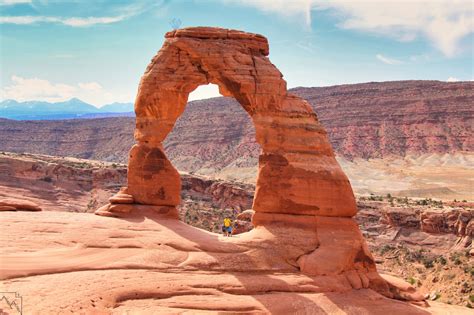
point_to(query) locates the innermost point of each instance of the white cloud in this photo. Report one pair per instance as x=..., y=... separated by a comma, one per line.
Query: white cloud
x=73, y=21
x=203, y=92
x=12, y=2
x=452, y=79
x=298, y=9
x=35, y=89
x=387, y=60
x=116, y=14
x=79, y=22
x=90, y=86
x=444, y=23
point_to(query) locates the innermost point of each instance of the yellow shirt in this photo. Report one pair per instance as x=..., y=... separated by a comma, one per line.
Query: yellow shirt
x=227, y=222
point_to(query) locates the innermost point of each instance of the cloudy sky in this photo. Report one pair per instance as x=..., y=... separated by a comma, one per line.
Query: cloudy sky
x=97, y=50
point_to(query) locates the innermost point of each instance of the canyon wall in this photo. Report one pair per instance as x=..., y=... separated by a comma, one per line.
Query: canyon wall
x=368, y=120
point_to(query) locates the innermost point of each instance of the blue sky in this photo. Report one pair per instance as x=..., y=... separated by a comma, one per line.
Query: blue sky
x=97, y=50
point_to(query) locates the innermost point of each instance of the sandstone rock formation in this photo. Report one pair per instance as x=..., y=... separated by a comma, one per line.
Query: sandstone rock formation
x=300, y=186
x=11, y=204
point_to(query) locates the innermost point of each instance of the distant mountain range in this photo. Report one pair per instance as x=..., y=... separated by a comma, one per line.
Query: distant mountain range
x=71, y=109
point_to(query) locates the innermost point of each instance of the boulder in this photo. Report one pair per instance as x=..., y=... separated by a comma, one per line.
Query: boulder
x=16, y=204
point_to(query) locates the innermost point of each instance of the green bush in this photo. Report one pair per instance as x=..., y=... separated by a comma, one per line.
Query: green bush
x=442, y=260
x=427, y=262
x=411, y=280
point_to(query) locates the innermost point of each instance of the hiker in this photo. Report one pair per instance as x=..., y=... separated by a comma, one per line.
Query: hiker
x=227, y=227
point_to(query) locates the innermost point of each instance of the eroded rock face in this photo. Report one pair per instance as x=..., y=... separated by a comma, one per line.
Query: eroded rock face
x=300, y=185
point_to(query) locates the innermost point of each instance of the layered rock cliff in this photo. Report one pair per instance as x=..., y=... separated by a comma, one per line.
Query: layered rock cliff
x=70, y=184
x=366, y=120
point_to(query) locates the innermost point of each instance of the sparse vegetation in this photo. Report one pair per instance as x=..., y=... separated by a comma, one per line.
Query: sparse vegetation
x=411, y=281
x=442, y=260
x=47, y=179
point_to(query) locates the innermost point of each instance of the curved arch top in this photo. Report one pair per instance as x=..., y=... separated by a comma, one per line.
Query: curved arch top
x=298, y=173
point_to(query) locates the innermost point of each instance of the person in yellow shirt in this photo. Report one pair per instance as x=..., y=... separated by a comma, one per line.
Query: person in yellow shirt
x=227, y=227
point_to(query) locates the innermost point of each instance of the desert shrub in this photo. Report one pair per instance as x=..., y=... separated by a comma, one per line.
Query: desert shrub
x=47, y=179
x=456, y=258
x=442, y=260
x=423, y=202
x=469, y=270
x=427, y=262
x=386, y=248
x=416, y=255
x=471, y=298
x=92, y=204
x=411, y=280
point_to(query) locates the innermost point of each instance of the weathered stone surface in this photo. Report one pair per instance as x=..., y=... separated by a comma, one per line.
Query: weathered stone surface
x=8, y=203
x=246, y=215
x=455, y=221
x=7, y=208
x=151, y=264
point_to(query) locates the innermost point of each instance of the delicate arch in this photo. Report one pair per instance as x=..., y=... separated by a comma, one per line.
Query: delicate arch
x=298, y=173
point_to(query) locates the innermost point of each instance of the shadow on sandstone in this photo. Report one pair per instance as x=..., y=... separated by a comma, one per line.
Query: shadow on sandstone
x=258, y=260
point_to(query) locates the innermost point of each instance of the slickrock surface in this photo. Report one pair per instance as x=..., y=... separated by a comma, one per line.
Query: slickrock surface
x=64, y=262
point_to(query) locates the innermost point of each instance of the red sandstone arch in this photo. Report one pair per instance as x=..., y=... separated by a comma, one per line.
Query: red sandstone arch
x=299, y=184
x=298, y=173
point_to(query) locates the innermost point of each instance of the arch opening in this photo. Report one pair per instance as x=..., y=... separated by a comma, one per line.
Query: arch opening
x=213, y=146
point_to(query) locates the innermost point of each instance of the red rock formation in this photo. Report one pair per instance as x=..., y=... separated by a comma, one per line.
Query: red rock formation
x=11, y=204
x=456, y=221
x=300, y=185
x=297, y=158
